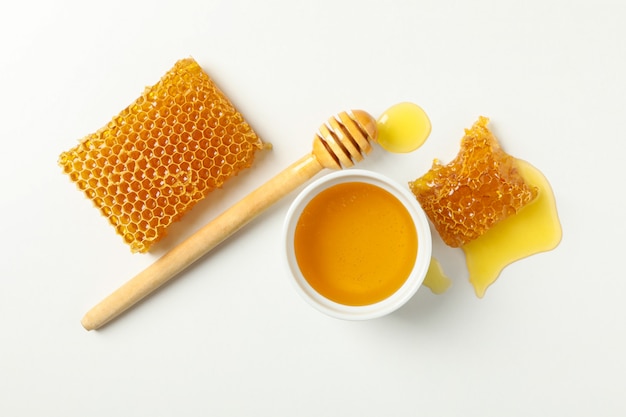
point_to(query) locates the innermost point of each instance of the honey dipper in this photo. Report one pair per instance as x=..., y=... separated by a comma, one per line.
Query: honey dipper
x=340, y=142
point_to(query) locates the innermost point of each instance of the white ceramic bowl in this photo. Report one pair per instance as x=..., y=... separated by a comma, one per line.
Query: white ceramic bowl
x=413, y=281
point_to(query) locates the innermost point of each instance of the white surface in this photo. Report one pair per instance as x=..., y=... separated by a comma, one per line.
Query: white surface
x=231, y=337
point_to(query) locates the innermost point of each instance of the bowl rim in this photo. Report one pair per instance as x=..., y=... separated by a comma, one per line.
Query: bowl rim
x=413, y=281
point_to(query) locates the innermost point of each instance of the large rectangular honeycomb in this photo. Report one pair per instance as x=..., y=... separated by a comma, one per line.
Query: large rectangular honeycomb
x=181, y=139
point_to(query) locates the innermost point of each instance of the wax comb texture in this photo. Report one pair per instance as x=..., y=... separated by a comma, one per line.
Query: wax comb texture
x=181, y=139
x=479, y=188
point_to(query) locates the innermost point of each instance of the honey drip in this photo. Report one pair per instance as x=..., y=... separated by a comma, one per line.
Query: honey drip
x=435, y=278
x=535, y=228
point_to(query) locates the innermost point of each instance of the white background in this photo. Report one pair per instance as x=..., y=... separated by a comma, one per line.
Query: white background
x=230, y=337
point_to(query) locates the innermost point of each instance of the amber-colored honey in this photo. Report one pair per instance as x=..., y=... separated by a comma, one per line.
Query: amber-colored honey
x=355, y=243
x=478, y=189
x=181, y=139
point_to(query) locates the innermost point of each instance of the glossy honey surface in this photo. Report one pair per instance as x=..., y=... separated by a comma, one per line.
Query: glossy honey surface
x=403, y=128
x=535, y=228
x=355, y=243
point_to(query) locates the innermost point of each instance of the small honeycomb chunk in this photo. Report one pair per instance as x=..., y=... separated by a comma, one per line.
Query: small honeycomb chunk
x=181, y=139
x=479, y=188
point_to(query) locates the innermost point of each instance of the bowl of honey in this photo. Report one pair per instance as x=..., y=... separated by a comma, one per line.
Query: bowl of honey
x=358, y=245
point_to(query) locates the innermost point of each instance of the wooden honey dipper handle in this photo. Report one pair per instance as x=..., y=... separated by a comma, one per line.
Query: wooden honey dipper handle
x=343, y=140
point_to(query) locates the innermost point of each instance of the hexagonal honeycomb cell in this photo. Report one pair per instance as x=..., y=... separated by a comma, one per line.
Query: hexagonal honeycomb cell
x=181, y=139
x=476, y=190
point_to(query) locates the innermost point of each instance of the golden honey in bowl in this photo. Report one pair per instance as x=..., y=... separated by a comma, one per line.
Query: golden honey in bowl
x=355, y=243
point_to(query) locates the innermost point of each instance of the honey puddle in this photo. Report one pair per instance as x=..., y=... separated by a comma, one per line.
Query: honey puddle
x=535, y=228
x=403, y=128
